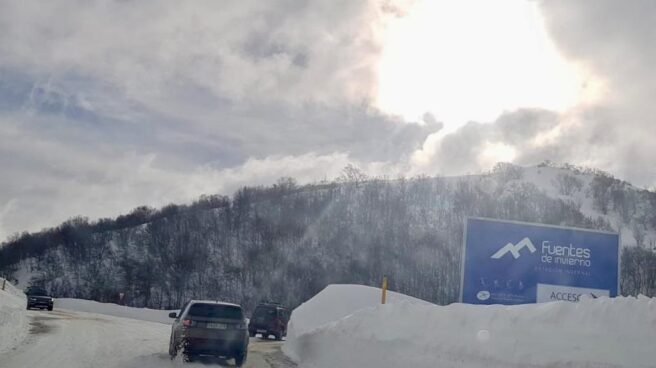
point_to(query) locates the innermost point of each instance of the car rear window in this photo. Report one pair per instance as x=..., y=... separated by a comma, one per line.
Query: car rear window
x=36, y=291
x=215, y=311
x=264, y=311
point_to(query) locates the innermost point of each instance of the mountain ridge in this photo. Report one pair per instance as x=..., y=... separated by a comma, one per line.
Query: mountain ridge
x=286, y=242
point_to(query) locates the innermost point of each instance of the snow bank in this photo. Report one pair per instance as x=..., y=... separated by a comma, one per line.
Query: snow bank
x=90, y=306
x=333, y=303
x=13, y=317
x=338, y=301
x=604, y=332
x=13, y=290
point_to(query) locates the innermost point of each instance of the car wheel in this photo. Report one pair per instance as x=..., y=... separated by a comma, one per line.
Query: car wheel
x=49, y=308
x=251, y=333
x=278, y=336
x=240, y=359
x=265, y=335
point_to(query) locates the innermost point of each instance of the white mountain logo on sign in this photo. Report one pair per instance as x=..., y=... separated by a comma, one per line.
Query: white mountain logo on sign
x=514, y=249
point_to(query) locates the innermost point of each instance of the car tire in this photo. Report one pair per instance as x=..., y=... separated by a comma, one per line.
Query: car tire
x=240, y=359
x=251, y=333
x=50, y=308
x=265, y=336
x=278, y=336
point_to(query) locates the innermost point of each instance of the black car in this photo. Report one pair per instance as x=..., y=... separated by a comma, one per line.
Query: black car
x=269, y=319
x=38, y=298
x=209, y=328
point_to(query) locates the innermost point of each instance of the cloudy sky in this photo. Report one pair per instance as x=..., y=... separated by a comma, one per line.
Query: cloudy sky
x=107, y=105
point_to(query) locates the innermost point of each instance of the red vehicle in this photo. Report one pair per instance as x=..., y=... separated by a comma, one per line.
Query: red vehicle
x=269, y=319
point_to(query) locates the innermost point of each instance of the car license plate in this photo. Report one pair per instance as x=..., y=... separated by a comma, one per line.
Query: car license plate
x=218, y=326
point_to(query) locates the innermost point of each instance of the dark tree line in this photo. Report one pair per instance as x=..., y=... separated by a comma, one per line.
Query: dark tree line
x=286, y=242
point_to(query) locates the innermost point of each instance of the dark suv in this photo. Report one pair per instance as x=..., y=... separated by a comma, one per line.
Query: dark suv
x=38, y=298
x=209, y=328
x=269, y=319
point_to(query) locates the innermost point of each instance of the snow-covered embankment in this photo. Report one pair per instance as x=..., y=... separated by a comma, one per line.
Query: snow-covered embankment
x=602, y=332
x=13, y=319
x=110, y=309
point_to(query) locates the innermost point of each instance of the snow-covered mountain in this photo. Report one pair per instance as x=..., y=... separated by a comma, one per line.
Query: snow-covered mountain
x=287, y=242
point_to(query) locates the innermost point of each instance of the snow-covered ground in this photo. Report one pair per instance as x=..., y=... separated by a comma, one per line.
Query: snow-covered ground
x=66, y=338
x=12, y=317
x=338, y=301
x=602, y=332
x=73, y=339
x=90, y=306
x=345, y=326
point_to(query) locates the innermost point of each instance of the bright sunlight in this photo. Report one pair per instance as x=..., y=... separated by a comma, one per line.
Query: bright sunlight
x=471, y=60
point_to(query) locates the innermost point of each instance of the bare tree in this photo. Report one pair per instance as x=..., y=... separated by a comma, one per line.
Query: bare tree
x=352, y=174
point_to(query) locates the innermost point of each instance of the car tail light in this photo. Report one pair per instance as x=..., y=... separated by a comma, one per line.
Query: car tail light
x=188, y=323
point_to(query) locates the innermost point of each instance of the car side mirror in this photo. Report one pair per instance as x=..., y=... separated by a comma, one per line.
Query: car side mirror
x=173, y=315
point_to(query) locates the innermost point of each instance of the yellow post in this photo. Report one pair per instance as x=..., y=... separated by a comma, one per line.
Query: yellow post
x=384, y=296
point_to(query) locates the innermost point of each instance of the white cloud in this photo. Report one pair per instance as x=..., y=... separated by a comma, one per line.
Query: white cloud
x=107, y=105
x=252, y=51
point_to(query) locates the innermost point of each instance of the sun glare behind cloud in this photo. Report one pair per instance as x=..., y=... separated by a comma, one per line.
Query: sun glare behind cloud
x=471, y=60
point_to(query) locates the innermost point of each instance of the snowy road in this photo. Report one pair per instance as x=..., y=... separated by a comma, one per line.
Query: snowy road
x=63, y=338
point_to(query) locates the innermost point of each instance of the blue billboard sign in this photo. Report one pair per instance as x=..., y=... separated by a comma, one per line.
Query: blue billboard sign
x=507, y=262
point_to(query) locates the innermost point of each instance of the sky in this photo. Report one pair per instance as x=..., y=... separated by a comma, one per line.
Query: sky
x=109, y=105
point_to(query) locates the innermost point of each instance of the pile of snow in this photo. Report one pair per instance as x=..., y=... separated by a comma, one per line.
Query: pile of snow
x=11, y=289
x=13, y=319
x=333, y=303
x=604, y=332
x=90, y=306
